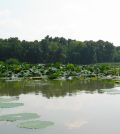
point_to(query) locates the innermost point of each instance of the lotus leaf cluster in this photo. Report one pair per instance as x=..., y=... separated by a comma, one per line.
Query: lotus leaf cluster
x=35, y=124
x=59, y=71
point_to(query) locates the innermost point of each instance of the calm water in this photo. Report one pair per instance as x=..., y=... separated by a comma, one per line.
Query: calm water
x=76, y=107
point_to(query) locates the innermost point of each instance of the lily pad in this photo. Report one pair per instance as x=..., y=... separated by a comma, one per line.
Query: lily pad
x=35, y=124
x=8, y=99
x=115, y=90
x=20, y=116
x=10, y=105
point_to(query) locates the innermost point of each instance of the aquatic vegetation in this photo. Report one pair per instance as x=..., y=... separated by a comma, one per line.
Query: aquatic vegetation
x=115, y=90
x=8, y=99
x=35, y=124
x=54, y=75
x=10, y=105
x=58, y=71
x=20, y=116
x=117, y=81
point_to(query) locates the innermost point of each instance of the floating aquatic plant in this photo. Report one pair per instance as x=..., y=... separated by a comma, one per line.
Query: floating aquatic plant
x=115, y=90
x=20, y=116
x=10, y=105
x=16, y=72
x=8, y=99
x=35, y=124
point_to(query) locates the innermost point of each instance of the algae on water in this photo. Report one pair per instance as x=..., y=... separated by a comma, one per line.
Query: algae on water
x=35, y=124
x=20, y=116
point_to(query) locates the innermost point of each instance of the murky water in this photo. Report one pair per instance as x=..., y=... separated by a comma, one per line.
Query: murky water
x=76, y=107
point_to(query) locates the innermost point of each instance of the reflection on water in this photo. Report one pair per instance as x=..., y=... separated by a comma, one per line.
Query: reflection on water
x=75, y=124
x=75, y=107
x=52, y=88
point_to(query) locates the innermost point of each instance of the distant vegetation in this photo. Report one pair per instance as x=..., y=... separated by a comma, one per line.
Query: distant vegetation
x=50, y=50
x=59, y=71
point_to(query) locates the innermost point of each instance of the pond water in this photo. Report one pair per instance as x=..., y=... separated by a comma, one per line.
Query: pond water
x=75, y=107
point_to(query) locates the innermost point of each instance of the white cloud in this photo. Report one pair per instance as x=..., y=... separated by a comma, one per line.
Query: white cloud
x=4, y=13
x=9, y=25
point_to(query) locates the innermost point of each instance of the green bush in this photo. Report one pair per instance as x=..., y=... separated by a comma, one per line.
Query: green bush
x=12, y=61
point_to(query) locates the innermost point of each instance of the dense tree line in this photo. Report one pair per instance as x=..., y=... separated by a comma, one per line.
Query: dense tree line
x=59, y=50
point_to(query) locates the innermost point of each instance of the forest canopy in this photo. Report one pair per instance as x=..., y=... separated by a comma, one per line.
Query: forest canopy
x=57, y=49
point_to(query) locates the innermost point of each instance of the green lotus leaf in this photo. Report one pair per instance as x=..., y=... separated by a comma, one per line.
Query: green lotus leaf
x=20, y=116
x=35, y=124
x=10, y=105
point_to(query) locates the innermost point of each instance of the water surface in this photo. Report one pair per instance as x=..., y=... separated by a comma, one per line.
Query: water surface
x=76, y=107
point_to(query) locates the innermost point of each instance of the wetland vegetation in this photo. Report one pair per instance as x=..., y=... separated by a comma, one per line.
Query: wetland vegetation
x=43, y=83
x=58, y=71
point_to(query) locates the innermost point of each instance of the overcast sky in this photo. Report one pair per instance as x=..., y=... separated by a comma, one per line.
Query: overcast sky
x=75, y=19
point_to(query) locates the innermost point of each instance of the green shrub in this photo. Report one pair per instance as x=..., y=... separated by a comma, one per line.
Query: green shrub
x=12, y=61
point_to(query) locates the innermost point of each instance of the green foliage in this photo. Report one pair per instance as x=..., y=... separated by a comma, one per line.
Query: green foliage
x=54, y=75
x=12, y=61
x=70, y=67
x=104, y=67
x=50, y=50
x=58, y=71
